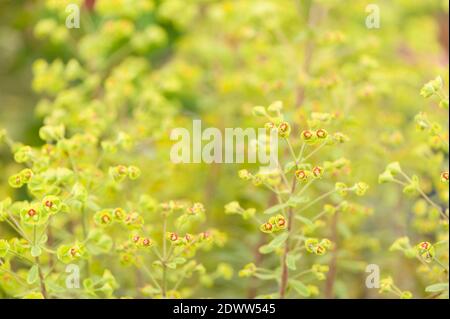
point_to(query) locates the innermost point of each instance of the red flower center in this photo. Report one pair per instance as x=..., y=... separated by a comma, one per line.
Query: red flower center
x=73, y=251
x=321, y=133
x=32, y=212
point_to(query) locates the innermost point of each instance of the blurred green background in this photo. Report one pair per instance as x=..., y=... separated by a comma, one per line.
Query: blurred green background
x=214, y=60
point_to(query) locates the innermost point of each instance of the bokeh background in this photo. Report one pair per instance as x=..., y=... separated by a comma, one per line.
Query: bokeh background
x=170, y=61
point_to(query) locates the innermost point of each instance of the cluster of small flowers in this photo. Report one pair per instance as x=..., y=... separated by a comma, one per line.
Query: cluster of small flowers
x=235, y=208
x=120, y=172
x=387, y=285
x=34, y=213
x=70, y=253
x=274, y=224
x=313, y=245
x=304, y=176
x=107, y=217
x=425, y=251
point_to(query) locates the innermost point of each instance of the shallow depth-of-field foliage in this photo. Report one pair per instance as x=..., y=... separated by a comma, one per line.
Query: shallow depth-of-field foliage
x=87, y=183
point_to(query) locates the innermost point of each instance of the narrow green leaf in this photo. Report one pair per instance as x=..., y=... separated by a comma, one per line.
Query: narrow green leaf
x=36, y=251
x=291, y=259
x=33, y=274
x=266, y=276
x=437, y=287
x=276, y=208
x=265, y=249
x=299, y=287
x=304, y=220
x=289, y=166
x=274, y=244
x=296, y=200
x=279, y=240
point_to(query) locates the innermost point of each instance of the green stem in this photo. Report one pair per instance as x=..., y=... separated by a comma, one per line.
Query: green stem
x=41, y=279
x=164, y=260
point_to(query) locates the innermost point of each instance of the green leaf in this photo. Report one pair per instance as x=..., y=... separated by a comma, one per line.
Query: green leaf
x=279, y=240
x=265, y=249
x=274, y=244
x=33, y=274
x=291, y=259
x=270, y=276
x=304, y=220
x=171, y=265
x=43, y=239
x=289, y=166
x=179, y=260
x=437, y=287
x=276, y=208
x=36, y=251
x=296, y=200
x=299, y=287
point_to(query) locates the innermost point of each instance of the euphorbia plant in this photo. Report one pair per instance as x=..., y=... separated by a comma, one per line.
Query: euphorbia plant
x=293, y=225
x=63, y=192
x=106, y=99
x=430, y=211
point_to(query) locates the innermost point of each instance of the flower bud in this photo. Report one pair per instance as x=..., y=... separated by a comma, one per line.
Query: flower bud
x=145, y=242
x=257, y=180
x=385, y=177
x=275, y=107
x=426, y=251
x=187, y=238
x=266, y=228
x=442, y=104
x=317, y=171
x=431, y=87
x=341, y=189
x=284, y=129
x=119, y=214
x=51, y=133
x=307, y=136
x=321, y=133
x=361, y=188
x=280, y=222
x=340, y=138
x=232, y=208
x=103, y=218
x=173, y=237
x=51, y=204
x=269, y=126
x=197, y=208
x=133, y=172
x=406, y=295
x=326, y=243
x=23, y=154
x=244, y=175
x=394, y=168
x=444, y=177
x=133, y=220
x=248, y=270
x=68, y=254
x=118, y=173
x=302, y=175
x=15, y=181
x=386, y=285
x=34, y=215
